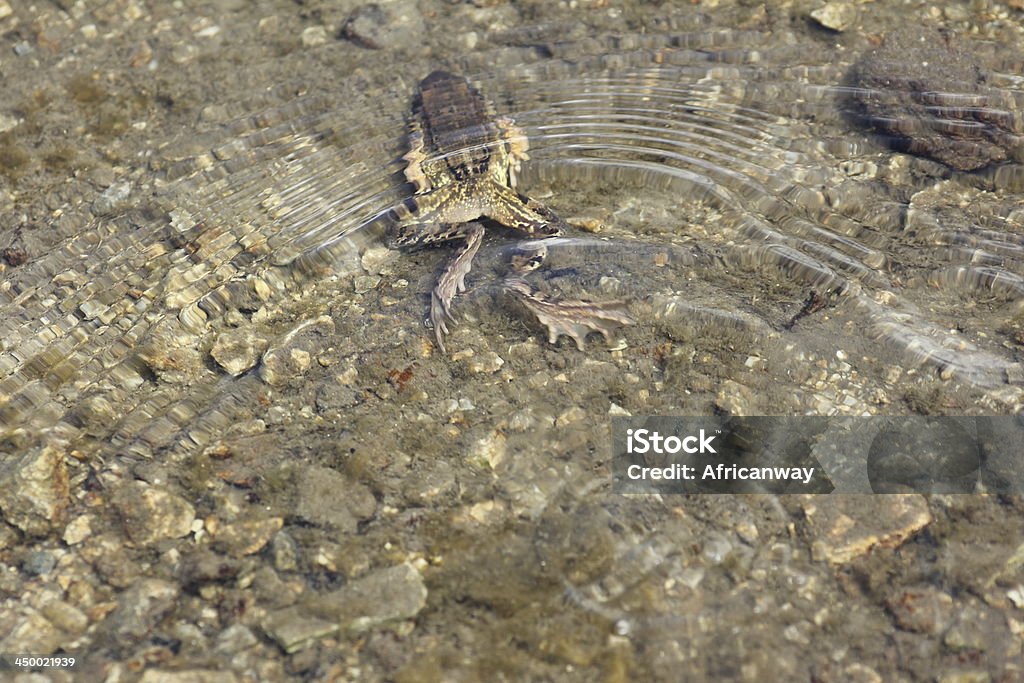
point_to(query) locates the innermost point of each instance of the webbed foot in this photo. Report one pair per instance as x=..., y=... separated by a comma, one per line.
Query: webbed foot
x=572, y=318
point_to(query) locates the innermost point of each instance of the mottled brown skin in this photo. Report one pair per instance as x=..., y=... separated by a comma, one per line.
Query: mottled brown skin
x=463, y=161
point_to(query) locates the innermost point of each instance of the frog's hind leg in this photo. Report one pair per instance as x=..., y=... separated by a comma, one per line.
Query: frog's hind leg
x=575, y=318
x=452, y=280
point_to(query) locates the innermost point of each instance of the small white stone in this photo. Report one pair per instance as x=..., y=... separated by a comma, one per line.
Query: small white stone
x=488, y=362
x=7, y=122
x=616, y=409
x=348, y=377
x=490, y=450
x=374, y=257
x=313, y=36
x=77, y=530
x=837, y=16
x=574, y=414
x=208, y=32
x=301, y=359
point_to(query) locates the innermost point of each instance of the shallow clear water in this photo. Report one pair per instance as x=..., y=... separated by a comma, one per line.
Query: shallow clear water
x=777, y=255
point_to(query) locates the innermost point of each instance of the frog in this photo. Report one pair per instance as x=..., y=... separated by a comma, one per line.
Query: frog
x=463, y=164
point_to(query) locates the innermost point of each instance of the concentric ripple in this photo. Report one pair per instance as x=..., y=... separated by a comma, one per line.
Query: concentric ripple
x=106, y=336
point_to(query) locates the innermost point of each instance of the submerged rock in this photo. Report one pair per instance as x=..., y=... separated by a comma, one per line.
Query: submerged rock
x=385, y=595
x=929, y=96
x=34, y=490
x=141, y=608
x=151, y=514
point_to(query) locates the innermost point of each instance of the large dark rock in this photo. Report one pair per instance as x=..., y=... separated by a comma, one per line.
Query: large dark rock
x=928, y=95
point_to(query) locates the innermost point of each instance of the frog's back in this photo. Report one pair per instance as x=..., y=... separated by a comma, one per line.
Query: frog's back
x=457, y=123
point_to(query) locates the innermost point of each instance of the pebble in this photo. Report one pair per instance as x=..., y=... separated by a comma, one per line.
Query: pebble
x=488, y=450
x=385, y=595
x=734, y=398
x=294, y=629
x=971, y=629
x=151, y=514
x=964, y=677
x=66, y=617
x=141, y=608
x=365, y=283
x=190, y=635
x=8, y=122
x=172, y=359
x=392, y=26
x=375, y=257
x=522, y=421
x=110, y=558
x=330, y=499
x=487, y=362
x=716, y=549
x=235, y=638
x=141, y=55
x=572, y=415
x=34, y=490
x=285, y=552
x=113, y=199
x=300, y=359
x=203, y=566
x=845, y=528
x=245, y=537
x=208, y=31
x=238, y=350
x=32, y=633
x=436, y=483
x=313, y=36
x=837, y=16
x=39, y=562
x=292, y=358
x=925, y=609
x=615, y=410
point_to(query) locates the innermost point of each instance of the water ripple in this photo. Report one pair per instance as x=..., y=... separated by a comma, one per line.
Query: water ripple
x=711, y=120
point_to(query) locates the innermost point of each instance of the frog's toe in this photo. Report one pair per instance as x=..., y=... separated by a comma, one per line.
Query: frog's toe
x=572, y=318
x=440, y=308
